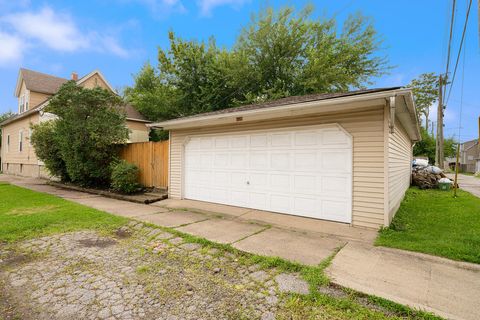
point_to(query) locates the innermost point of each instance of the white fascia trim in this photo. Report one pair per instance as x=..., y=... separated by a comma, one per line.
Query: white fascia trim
x=183, y=123
x=84, y=78
x=16, y=93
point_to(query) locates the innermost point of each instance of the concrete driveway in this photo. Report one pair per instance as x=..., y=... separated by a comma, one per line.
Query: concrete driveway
x=447, y=288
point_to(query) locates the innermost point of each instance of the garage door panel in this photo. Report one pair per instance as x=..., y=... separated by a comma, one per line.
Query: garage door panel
x=336, y=186
x=240, y=198
x=306, y=184
x=307, y=206
x=259, y=160
x=259, y=141
x=280, y=160
x=335, y=161
x=221, y=160
x=259, y=181
x=281, y=203
x=238, y=160
x=259, y=200
x=281, y=139
x=238, y=142
x=239, y=179
x=336, y=210
x=222, y=143
x=305, y=172
x=280, y=182
x=306, y=138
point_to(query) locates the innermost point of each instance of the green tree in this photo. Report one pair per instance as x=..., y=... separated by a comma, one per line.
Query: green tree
x=4, y=116
x=426, y=147
x=278, y=54
x=425, y=91
x=90, y=124
x=46, y=145
x=152, y=97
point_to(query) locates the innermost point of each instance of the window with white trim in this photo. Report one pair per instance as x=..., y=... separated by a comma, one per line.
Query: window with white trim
x=20, y=141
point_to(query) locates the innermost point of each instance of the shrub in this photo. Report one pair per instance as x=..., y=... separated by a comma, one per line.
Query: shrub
x=46, y=147
x=90, y=125
x=124, y=177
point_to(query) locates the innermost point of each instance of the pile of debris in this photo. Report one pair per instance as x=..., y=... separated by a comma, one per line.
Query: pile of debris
x=426, y=176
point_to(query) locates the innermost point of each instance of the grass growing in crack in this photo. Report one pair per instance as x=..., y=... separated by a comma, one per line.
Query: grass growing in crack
x=316, y=304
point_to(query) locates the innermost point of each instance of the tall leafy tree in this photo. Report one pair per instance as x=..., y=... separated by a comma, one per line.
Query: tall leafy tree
x=90, y=123
x=278, y=54
x=425, y=91
x=426, y=147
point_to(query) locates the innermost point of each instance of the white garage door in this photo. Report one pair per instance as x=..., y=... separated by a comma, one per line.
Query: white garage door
x=303, y=171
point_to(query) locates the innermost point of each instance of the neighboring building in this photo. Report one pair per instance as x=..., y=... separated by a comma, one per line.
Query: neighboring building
x=344, y=157
x=469, y=156
x=34, y=89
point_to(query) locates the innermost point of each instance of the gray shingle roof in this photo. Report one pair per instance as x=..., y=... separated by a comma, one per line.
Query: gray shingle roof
x=41, y=82
x=290, y=100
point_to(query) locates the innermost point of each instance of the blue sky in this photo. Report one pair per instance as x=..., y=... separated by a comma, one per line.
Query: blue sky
x=119, y=36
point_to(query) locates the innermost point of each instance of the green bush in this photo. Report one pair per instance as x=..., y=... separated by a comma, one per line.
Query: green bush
x=124, y=177
x=44, y=141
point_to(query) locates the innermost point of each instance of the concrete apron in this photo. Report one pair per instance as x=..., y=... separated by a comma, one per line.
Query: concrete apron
x=447, y=288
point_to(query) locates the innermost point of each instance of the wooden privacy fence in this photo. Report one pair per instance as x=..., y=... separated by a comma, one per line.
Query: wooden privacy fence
x=152, y=160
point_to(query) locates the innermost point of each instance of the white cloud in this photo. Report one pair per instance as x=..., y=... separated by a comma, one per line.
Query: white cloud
x=11, y=48
x=207, y=6
x=163, y=7
x=57, y=31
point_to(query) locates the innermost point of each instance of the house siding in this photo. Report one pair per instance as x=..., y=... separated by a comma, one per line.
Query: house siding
x=18, y=162
x=94, y=81
x=366, y=128
x=139, y=132
x=400, y=153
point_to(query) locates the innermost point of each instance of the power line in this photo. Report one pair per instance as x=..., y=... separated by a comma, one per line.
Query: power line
x=452, y=22
x=459, y=49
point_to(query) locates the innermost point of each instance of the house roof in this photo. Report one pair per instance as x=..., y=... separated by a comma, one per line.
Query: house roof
x=289, y=101
x=305, y=105
x=38, y=82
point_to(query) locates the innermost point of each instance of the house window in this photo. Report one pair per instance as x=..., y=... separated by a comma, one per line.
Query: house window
x=8, y=143
x=20, y=141
x=21, y=103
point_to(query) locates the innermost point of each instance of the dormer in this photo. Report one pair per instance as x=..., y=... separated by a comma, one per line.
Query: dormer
x=34, y=88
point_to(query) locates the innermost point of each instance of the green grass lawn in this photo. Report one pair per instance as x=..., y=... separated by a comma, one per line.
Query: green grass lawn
x=433, y=222
x=26, y=214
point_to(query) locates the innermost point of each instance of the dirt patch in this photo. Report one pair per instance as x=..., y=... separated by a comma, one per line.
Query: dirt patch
x=97, y=243
x=32, y=210
x=14, y=259
x=123, y=232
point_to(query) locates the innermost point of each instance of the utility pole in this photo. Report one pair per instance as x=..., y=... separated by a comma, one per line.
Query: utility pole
x=439, y=154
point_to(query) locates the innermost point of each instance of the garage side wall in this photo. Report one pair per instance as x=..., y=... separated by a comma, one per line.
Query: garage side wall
x=400, y=153
x=366, y=128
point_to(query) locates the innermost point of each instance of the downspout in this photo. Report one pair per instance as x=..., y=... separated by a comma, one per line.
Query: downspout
x=391, y=101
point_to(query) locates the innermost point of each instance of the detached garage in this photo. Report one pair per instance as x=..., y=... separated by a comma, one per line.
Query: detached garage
x=343, y=157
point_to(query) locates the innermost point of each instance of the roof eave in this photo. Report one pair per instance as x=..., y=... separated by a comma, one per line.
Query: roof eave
x=347, y=102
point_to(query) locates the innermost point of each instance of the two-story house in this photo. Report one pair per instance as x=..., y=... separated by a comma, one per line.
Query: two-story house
x=470, y=156
x=33, y=90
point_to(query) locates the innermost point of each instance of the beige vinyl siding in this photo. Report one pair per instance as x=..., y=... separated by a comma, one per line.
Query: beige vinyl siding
x=94, y=81
x=139, y=132
x=12, y=156
x=366, y=128
x=400, y=154
x=36, y=98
